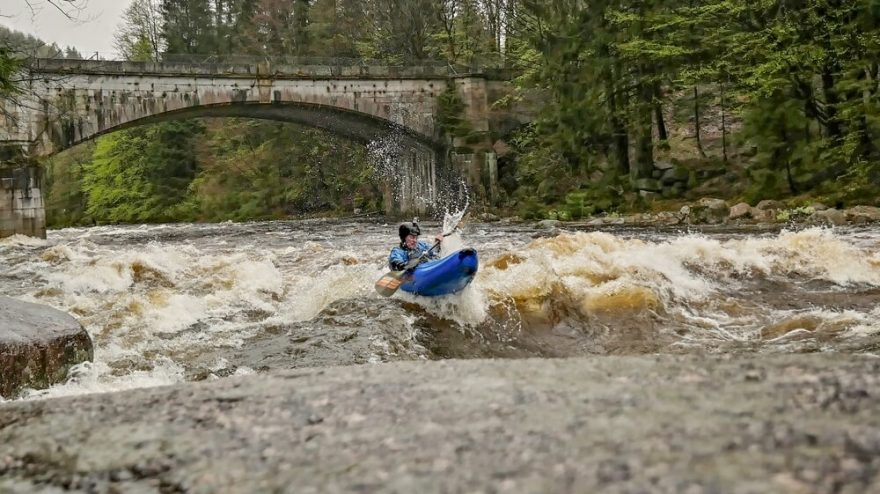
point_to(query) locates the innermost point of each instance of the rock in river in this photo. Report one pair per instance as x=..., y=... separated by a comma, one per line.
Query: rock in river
x=38, y=345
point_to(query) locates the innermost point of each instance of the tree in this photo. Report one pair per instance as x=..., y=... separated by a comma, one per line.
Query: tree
x=140, y=35
x=188, y=27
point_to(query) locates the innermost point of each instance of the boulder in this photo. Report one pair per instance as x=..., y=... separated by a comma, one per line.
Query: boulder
x=767, y=204
x=741, y=210
x=709, y=210
x=548, y=224
x=38, y=345
x=863, y=214
x=648, y=184
x=834, y=217
x=677, y=174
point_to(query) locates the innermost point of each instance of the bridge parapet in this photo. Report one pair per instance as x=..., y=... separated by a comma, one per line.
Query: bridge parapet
x=235, y=69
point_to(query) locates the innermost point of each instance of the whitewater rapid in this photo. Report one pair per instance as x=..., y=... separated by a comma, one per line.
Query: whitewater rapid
x=170, y=303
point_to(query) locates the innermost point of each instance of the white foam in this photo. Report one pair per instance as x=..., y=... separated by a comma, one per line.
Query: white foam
x=97, y=377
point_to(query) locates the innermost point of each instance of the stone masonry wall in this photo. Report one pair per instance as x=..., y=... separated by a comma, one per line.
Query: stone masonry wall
x=21, y=203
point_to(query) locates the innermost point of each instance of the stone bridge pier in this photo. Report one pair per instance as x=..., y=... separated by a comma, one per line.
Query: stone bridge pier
x=21, y=202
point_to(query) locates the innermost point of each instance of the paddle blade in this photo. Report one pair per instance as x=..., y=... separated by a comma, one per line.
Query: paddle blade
x=388, y=284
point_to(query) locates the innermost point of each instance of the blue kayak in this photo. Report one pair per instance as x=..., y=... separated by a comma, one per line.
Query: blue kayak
x=443, y=276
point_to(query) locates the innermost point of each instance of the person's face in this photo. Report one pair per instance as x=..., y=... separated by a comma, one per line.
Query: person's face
x=411, y=241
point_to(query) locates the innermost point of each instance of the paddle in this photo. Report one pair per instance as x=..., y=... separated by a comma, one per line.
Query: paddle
x=391, y=281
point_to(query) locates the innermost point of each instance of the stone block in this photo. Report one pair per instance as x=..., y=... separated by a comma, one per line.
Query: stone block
x=677, y=174
x=648, y=184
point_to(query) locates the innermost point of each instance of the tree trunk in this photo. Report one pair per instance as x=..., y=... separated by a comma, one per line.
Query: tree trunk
x=723, y=125
x=791, y=184
x=831, y=120
x=658, y=113
x=788, y=175
x=620, y=137
x=644, y=131
x=697, y=122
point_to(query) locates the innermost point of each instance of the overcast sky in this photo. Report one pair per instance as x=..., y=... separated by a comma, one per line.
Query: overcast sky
x=92, y=31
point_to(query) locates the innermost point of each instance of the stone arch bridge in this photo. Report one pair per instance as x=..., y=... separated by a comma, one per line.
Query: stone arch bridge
x=67, y=102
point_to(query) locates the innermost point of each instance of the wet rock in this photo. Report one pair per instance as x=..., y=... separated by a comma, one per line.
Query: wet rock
x=863, y=214
x=834, y=217
x=769, y=204
x=489, y=217
x=741, y=210
x=38, y=345
x=548, y=224
x=616, y=424
x=709, y=210
x=667, y=218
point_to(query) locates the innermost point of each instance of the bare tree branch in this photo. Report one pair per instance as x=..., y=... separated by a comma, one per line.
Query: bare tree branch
x=65, y=7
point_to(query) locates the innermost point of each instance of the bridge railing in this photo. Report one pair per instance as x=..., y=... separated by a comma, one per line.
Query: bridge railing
x=289, y=60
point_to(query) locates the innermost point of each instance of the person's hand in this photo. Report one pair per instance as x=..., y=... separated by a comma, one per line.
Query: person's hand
x=439, y=238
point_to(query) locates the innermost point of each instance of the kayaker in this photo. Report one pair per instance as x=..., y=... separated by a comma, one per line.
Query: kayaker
x=411, y=247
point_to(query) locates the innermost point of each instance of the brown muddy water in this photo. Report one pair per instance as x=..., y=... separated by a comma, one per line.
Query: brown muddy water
x=184, y=302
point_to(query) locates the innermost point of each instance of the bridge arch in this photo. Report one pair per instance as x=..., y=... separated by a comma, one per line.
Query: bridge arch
x=361, y=127
x=70, y=101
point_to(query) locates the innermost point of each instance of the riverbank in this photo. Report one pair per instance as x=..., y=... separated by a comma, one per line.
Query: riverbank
x=712, y=211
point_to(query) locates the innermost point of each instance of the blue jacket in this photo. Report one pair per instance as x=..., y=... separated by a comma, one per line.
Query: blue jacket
x=401, y=255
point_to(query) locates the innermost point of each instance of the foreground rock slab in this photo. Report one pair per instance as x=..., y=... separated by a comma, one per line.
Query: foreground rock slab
x=796, y=423
x=38, y=345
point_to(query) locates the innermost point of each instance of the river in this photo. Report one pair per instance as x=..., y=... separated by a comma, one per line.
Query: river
x=189, y=302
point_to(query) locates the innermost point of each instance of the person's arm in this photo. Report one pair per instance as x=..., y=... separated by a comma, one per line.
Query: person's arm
x=398, y=259
x=430, y=251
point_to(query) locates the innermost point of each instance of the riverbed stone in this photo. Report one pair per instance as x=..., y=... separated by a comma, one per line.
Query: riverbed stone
x=548, y=224
x=38, y=345
x=741, y=210
x=832, y=216
x=660, y=424
x=863, y=214
x=769, y=204
x=709, y=210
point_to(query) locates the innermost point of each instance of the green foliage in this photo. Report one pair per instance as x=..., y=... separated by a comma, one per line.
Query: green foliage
x=141, y=175
x=575, y=206
x=9, y=65
x=795, y=81
x=65, y=200
x=270, y=170
x=450, y=113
